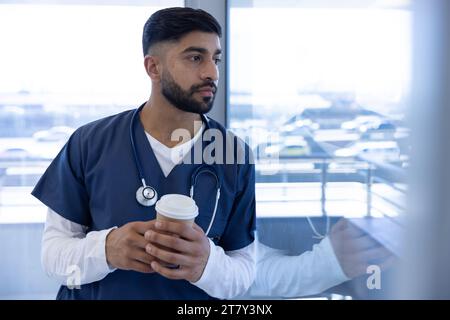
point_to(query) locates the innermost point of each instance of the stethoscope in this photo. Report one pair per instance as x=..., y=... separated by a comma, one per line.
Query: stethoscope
x=147, y=196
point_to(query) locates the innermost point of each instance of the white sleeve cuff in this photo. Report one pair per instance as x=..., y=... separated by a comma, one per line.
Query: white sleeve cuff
x=211, y=265
x=228, y=274
x=98, y=252
x=335, y=266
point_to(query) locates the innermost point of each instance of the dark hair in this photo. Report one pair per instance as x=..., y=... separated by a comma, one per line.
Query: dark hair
x=173, y=23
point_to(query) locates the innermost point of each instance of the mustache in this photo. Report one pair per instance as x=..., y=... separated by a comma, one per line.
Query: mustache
x=210, y=84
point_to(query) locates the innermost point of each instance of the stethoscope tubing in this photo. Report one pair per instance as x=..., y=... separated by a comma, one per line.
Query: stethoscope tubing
x=202, y=169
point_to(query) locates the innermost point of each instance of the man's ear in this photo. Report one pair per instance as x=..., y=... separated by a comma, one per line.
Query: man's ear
x=153, y=67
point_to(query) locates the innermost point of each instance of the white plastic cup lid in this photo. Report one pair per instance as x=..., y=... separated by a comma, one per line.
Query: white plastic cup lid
x=177, y=206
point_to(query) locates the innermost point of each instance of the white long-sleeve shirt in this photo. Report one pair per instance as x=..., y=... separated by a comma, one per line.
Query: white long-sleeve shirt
x=282, y=276
x=65, y=244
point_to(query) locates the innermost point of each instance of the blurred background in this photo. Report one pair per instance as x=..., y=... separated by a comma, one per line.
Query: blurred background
x=344, y=104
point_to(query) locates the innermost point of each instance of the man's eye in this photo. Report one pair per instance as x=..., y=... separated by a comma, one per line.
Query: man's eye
x=218, y=60
x=196, y=58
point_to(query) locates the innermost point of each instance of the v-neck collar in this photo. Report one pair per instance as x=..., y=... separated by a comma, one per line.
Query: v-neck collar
x=182, y=146
x=148, y=159
x=168, y=157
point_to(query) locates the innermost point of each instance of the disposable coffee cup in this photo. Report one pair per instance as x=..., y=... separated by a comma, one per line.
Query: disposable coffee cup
x=178, y=208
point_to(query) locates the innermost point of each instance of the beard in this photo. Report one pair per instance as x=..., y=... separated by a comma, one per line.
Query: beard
x=184, y=99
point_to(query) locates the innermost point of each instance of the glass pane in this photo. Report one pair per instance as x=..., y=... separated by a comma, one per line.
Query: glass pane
x=62, y=66
x=319, y=90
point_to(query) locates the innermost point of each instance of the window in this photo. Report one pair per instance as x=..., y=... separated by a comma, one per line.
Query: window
x=319, y=84
x=319, y=89
x=62, y=65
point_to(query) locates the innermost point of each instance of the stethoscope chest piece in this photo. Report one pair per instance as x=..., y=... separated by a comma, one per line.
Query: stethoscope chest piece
x=146, y=196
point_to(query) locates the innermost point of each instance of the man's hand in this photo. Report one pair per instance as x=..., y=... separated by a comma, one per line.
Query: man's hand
x=190, y=246
x=355, y=250
x=125, y=247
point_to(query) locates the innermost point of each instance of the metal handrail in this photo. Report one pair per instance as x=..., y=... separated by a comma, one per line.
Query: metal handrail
x=371, y=166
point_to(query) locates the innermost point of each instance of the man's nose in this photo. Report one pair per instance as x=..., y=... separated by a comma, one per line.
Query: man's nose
x=210, y=72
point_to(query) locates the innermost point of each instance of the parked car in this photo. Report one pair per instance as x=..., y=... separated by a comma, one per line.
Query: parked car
x=362, y=123
x=54, y=134
x=14, y=154
x=376, y=150
x=289, y=147
x=299, y=127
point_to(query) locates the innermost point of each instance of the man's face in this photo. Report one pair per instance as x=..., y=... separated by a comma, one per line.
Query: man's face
x=190, y=74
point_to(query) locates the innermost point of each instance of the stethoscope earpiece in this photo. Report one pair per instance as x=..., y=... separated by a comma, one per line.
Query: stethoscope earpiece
x=146, y=196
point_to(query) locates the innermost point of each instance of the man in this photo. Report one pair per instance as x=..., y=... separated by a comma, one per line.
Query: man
x=103, y=233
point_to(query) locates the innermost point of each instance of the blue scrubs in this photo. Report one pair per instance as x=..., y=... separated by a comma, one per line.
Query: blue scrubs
x=93, y=182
